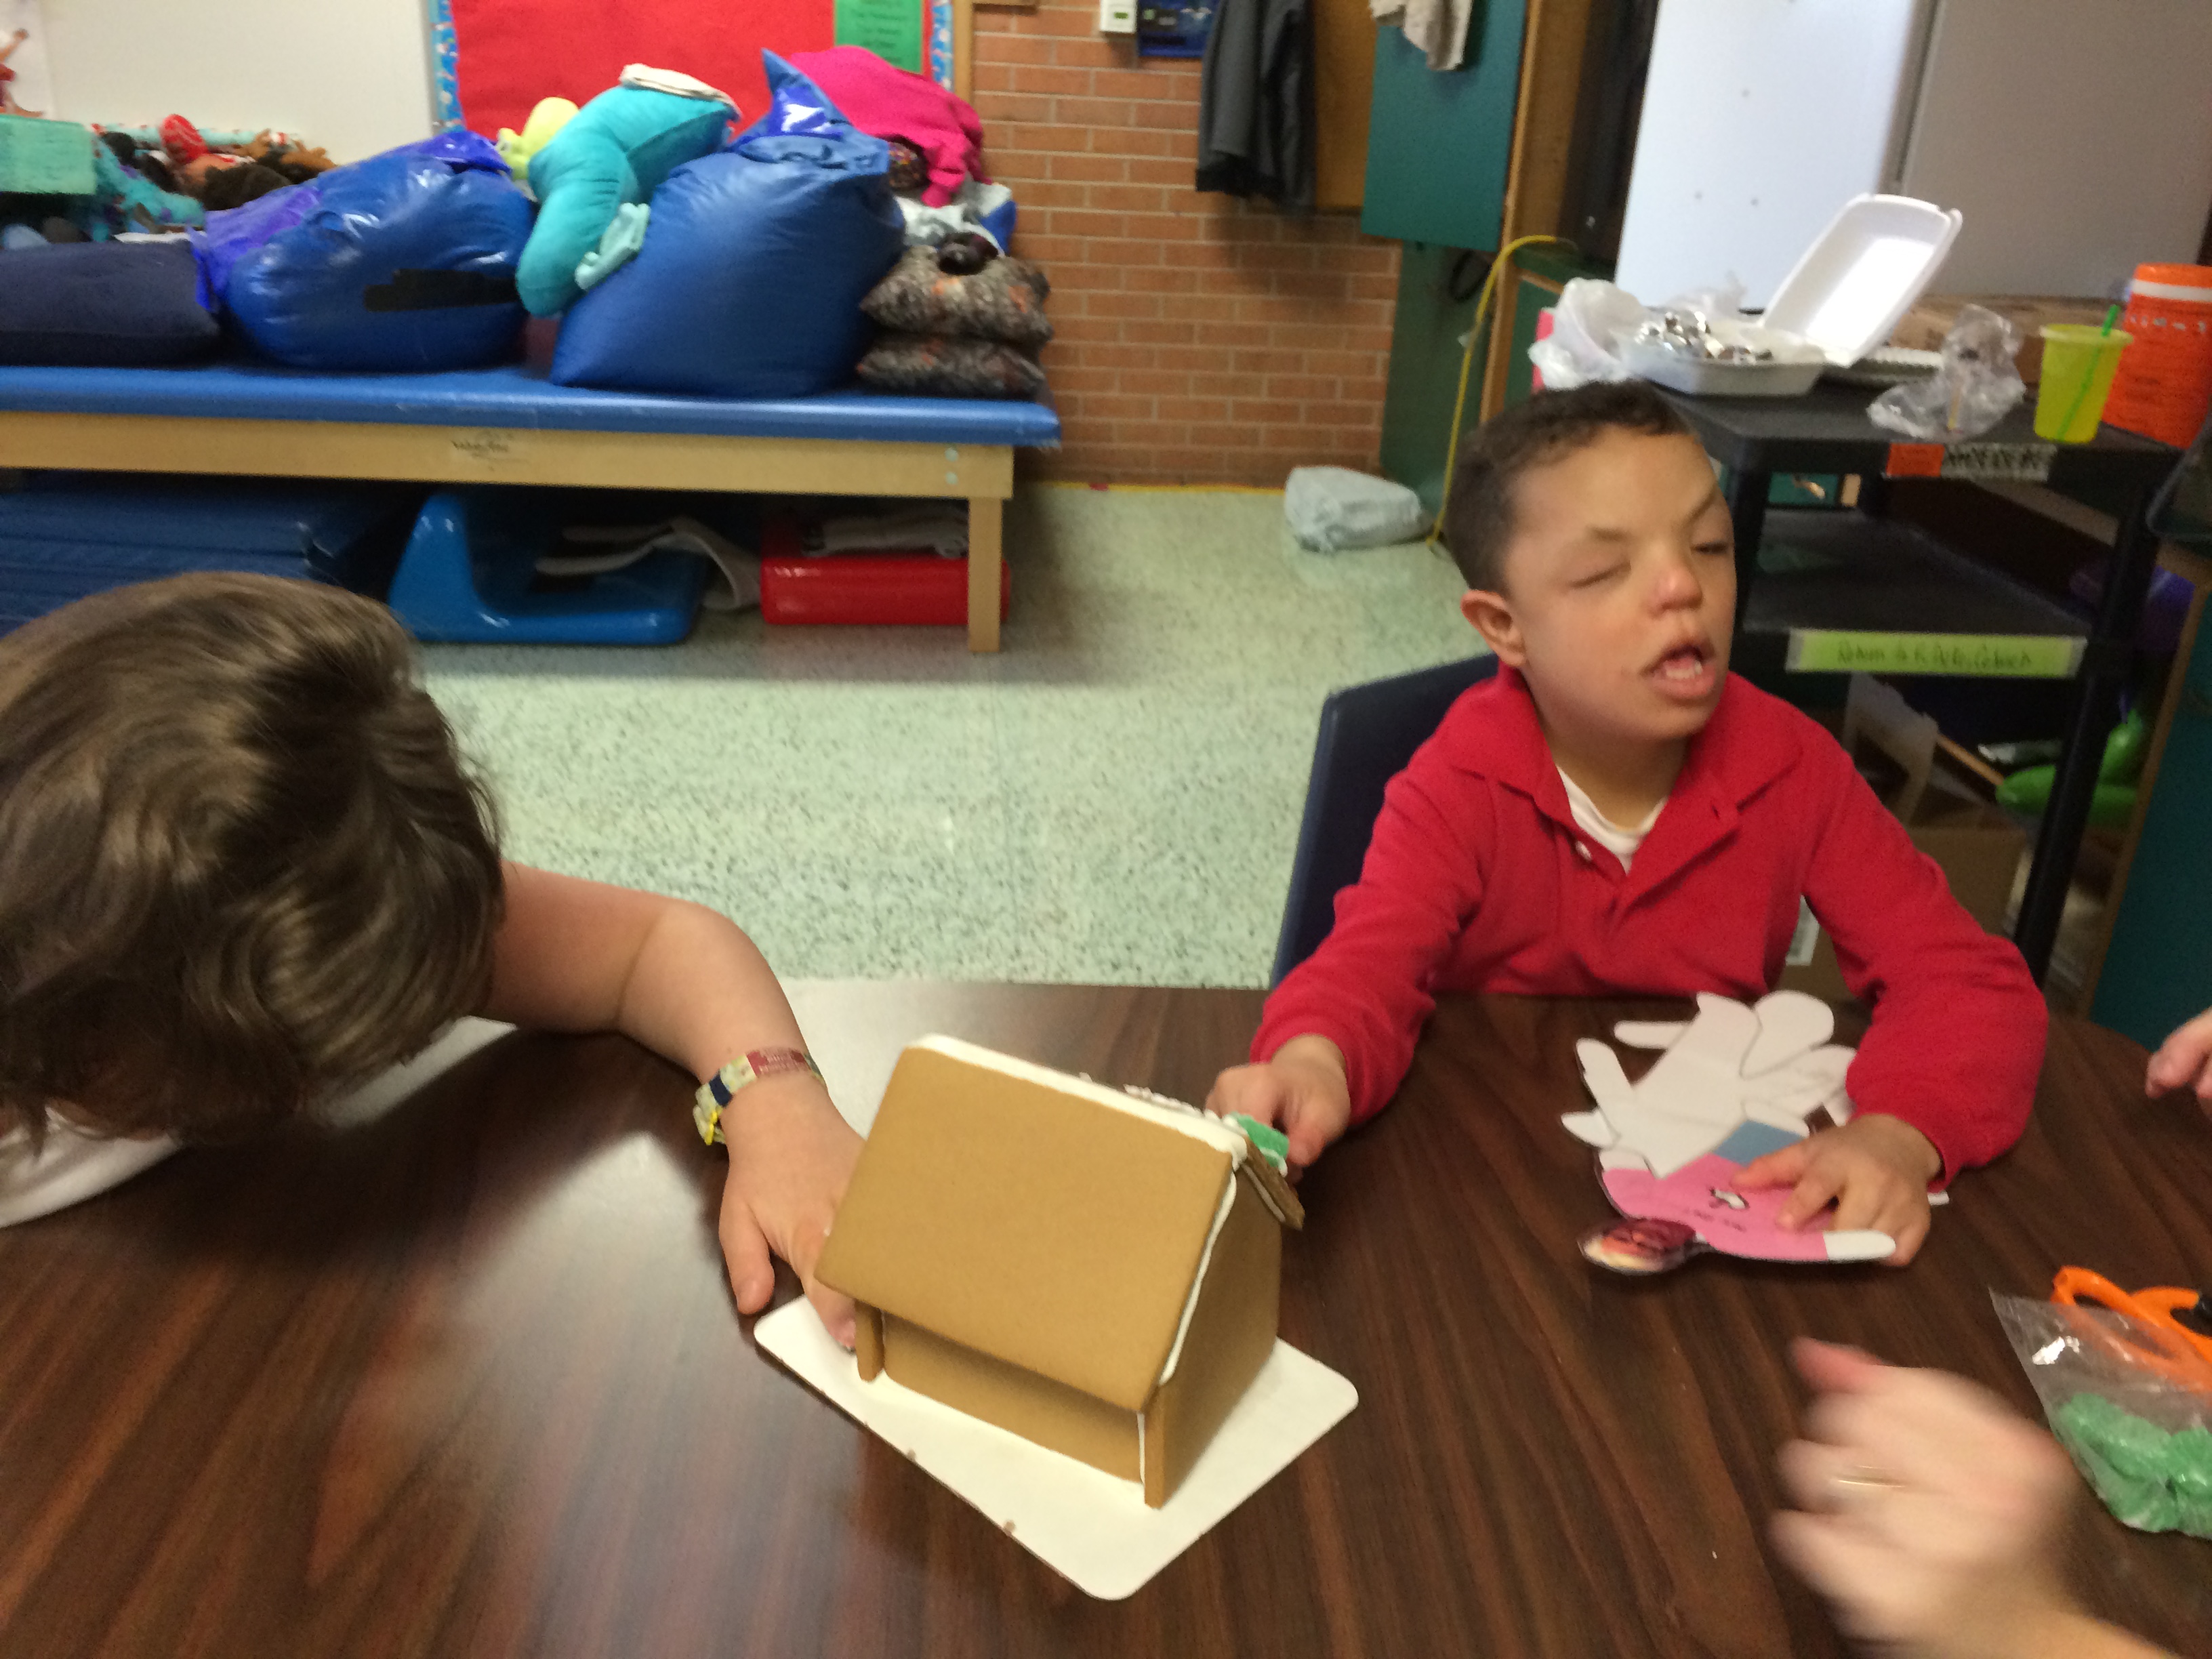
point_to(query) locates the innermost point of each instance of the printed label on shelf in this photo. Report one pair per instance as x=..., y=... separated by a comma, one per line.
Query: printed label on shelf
x=2010, y=462
x=1914, y=461
x=2011, y=656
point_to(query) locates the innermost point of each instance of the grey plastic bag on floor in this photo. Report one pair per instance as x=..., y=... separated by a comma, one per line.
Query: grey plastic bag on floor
x=1332, y=508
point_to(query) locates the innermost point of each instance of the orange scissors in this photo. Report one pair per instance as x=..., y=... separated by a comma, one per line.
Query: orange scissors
x=2180, y=1320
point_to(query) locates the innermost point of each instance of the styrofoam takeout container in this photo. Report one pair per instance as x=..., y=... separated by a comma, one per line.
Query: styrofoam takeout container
x=1840, y=302
x=1794, y=366
x=1861, y=276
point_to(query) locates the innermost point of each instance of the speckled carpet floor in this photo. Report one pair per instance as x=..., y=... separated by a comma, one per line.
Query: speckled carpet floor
x=1113, y=799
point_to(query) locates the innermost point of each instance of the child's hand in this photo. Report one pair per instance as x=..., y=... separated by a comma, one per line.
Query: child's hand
x=1301, y=1091
x=791, y=1156
x=1875, y=1169
x=2184, y=1060
x=1926, y=1511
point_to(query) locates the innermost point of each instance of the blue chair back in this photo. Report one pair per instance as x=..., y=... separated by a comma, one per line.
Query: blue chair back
x=1368, y=733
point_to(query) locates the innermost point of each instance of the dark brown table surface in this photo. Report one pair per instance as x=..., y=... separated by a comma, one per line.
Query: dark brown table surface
x=467, y=1381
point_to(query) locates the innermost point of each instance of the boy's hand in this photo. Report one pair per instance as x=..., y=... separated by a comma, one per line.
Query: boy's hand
x=2183, y=1060
x=1874, y=1169
x=1301, y=1091
x=1925, y=1511
x=791, y=1156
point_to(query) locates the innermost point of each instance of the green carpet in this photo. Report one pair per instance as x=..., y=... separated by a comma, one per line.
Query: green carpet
x=1113, y=799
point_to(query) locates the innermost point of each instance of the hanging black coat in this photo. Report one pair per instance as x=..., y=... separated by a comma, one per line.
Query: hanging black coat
x=1255, y=102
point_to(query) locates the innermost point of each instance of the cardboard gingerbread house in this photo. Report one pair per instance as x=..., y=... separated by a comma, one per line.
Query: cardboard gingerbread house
x=1094, y=1271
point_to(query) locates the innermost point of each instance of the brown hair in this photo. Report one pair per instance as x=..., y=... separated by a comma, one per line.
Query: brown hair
x=240, y=861
x=1479, y=516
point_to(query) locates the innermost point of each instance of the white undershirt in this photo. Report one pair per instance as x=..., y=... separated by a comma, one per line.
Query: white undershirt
x=1621, y=843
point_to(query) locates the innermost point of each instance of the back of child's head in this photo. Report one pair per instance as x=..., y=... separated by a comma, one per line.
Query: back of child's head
x=1478, y=521
x=241, y=864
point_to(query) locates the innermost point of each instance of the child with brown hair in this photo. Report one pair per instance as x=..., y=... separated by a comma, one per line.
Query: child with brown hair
x=243, y=868
x=1615, y=814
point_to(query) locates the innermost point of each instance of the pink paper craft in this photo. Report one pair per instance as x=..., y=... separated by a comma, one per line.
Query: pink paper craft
x=1698, y=1195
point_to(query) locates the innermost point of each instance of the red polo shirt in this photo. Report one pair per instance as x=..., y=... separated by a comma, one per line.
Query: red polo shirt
x=1478, y=878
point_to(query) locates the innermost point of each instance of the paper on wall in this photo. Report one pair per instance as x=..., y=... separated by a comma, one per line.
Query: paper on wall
x=32, y=87
x=1091, y=1528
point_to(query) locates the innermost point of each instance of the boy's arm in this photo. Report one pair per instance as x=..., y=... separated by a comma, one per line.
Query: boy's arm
x=578, y=956
x=1368, y=989
x=1956, y=1042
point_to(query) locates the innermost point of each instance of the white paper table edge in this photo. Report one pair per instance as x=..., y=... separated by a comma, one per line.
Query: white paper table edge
x=1091, y=1528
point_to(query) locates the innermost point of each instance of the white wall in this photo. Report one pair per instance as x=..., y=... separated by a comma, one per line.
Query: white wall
x=2074, y=135
x=351, y=76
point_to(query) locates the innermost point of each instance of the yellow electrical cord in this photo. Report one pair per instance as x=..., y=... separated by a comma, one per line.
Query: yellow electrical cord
x=1467, y=360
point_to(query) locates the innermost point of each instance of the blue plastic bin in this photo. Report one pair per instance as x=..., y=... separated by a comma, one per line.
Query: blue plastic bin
x=469, y=574
x=64, y=535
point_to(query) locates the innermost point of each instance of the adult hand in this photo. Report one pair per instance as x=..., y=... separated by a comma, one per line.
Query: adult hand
x=2183, y=1060
x=1926, y=1514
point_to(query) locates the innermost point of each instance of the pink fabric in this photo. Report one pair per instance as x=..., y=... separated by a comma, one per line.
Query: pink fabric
x=890, y=103
x=1478, y=879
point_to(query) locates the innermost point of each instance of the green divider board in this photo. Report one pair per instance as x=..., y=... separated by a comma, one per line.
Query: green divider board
x=1438, y=141
x=1425, y=362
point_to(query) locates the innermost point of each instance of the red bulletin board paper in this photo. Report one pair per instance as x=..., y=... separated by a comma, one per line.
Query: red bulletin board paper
x=510, y=53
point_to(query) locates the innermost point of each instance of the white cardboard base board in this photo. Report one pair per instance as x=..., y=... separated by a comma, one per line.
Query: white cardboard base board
x=1091, y=1528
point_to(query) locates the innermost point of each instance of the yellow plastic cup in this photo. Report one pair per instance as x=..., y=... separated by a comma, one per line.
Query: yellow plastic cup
x=2079, y=361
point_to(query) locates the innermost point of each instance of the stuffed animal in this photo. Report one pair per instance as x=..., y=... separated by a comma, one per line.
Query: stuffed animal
x=620, y=149
x=125, y=200
x=516, y=148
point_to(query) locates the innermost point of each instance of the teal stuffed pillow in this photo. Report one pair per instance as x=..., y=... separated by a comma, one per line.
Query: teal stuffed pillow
x=618, y=150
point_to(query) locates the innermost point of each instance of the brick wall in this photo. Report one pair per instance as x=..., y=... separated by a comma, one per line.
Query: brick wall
x=1200, y=338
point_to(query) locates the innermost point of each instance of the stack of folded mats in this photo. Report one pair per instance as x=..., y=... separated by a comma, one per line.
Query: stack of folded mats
x=65, y=535
x=951, y=332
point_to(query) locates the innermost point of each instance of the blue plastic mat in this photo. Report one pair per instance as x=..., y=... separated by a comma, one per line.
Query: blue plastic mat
x=516, y=396
x=63, y=535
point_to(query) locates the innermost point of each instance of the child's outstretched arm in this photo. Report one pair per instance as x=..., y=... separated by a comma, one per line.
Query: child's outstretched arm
x=577, y=956
x=2183, y=1060
x=1301, y=1090
x=1337, y=1034
x=1946, y=1075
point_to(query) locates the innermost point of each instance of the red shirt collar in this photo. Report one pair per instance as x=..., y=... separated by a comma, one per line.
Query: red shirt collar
x=1745, y=746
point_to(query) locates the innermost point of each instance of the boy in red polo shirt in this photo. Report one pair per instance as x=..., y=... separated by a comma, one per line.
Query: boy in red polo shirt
x=1615, y=814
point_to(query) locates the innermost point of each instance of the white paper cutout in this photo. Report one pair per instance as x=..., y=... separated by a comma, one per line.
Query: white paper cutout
x=1771, y=1063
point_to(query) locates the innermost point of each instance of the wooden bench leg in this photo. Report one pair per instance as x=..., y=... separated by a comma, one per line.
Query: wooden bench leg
x=985, y=556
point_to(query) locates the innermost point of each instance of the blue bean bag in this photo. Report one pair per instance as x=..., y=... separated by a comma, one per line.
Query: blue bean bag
x=404, y=261
x=755, y=260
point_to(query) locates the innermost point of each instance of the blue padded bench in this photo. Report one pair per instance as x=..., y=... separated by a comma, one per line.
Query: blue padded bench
x=510, y=425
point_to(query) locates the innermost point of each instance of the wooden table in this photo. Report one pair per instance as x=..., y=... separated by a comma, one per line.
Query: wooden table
x=466, y=1381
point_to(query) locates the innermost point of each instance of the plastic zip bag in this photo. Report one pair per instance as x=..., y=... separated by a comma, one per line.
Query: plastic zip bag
x=2131, y=1404
x=1977, y=386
